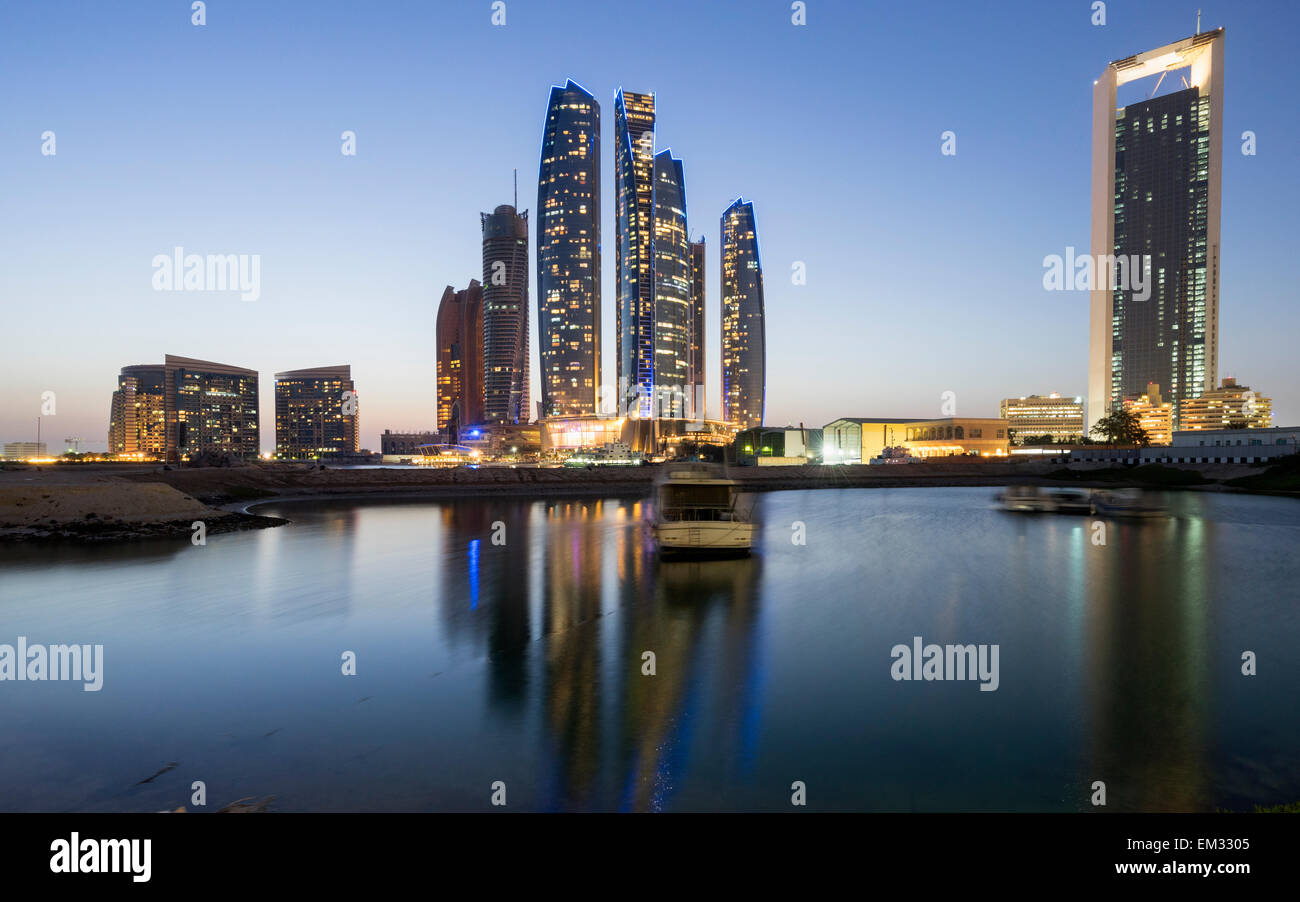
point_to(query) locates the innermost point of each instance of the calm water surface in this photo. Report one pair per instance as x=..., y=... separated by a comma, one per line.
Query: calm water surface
x=522, y=662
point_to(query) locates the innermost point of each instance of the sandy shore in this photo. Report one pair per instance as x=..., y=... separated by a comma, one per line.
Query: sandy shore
x=42, y=509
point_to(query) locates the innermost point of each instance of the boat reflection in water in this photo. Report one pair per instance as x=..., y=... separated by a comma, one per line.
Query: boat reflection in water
x=1035, y=499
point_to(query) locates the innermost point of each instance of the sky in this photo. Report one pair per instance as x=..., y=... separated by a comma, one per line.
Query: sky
x=924, y=271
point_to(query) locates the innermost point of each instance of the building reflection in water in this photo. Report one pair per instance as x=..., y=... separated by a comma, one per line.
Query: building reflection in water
x=584, y=572
x=1147, y=670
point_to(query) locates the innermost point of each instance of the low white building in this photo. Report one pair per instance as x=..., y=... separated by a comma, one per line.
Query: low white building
x=1226, y=446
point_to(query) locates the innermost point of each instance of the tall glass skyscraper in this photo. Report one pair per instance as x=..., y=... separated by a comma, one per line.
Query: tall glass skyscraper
x=672, y=289
x=744, y=343
x=634, y=143
x=568, y=253
x=695, y=397
x=1156, y=174
x=505, y=316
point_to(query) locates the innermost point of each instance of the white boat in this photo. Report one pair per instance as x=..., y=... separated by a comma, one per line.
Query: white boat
x=696, y=514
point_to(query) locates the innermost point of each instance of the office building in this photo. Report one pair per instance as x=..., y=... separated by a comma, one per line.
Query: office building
x=634, y=122
x=137, y=425
x=1035, y=416
x=1156, y=177
x=211, y=408
x=1155, y=414
x=1230, y=406
x=696, y=395
x=568, y=254
x=459, y=337
x=316, y=413
x=505, y=316
x=744, y=344
x=672, y=290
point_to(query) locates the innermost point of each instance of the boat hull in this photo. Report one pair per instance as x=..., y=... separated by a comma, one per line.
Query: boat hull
x=704, y=538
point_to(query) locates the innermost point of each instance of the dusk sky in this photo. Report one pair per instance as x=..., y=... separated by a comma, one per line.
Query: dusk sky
x=924, y=271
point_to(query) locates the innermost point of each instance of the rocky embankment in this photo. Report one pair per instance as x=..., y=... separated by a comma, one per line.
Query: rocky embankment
x=42, y=509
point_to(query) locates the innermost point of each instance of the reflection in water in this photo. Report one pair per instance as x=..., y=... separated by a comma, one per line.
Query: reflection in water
x=505, y=639
x=1147, y=662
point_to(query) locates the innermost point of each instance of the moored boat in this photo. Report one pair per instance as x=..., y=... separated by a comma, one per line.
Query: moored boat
x=696, y=514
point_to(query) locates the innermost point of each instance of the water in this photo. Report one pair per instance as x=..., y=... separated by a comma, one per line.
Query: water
x=522, y=662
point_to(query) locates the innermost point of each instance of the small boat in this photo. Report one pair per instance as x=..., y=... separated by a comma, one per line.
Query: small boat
x=1035, y=499
x=696, y=515
x=1126, y=503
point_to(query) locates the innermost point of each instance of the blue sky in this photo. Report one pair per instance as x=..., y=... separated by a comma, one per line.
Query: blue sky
x=924, y=271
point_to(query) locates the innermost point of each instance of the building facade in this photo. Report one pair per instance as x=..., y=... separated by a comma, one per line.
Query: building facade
x=316, y=413
x=672, y=290
x=1036, y=415
x=1156, y=186
x=856, y=440
x=505, y=316
x=1155, y=414
x=634, y=143
x=22, y=450
x=568, y=253
x=744, y=342
x=1230, y=406
x=137, y=425
x=210, y=408
x=984, y=437
x=459, y=339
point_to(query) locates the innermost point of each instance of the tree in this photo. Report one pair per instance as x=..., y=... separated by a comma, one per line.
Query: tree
x=1122, y=427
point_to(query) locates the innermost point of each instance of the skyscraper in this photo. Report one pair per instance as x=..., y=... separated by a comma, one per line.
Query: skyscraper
x=634, y=143
x=744, y=343
x=696, y=395
x=505, y=316
x=568, y=253
x=138, y=420
x=671, y=248
x=1156, y=174
x=210, y=407
x=460, y=359
x=316, y=413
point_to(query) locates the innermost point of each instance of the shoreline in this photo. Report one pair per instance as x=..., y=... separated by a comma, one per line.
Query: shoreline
x=103, y=503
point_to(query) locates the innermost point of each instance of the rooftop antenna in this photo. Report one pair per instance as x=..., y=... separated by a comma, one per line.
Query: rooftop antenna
x=517, y=186
x=1198, y=21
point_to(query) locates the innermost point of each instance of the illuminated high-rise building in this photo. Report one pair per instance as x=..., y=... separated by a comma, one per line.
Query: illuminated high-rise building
x=505, y=316
x=634, y=144
x=672, y=290
x=138, y=420
x=1156, y=175
x=316, y=413
x=210, y=408
x=695, y=396
x=568, y=253
x=459, y=339
x=744, y=343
